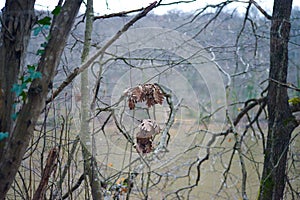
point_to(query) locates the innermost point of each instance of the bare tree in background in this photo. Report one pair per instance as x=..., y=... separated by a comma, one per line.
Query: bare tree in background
x=90, y=164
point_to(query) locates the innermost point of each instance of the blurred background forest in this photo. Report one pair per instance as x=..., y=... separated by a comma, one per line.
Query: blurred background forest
x=236, y=45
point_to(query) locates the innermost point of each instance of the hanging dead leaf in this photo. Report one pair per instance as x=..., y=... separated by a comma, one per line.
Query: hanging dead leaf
x=150, y=93
x=158, y=95
x=144, y=145
x=137, y=93
x=131, y=103
x=147, y=130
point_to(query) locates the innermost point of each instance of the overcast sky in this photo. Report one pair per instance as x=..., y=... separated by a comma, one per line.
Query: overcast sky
x=122, y=5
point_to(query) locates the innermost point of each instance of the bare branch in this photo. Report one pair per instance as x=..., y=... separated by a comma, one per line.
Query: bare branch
x=49, y=168
x=100, y=52
x=248, y=106
x=287, y=85
x=125, y=13
x=118, y=14
x=78, y=183
x=176, y=2
x=251, y=103
x=261, y=9
x=171, y=119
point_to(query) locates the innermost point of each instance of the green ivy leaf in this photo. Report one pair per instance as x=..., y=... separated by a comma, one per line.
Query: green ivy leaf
x=22, y=78
x=48, y=37
x=26, y=79
x=40, y=52
x=31, y=67
x=37, y=30
x=23, y=96
x=3, y=135
x=56, y=10
x=19, y=88
x=14, y=116
x=44, y=44
x=45, y=21
x=34, y=74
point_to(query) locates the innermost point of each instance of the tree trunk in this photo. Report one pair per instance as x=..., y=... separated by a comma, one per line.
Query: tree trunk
x=281, y=121
x=18, y=19
x=85, y=134
x=20, y=135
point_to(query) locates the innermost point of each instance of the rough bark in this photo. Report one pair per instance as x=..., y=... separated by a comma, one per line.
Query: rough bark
x=17, y=21
x=90, y=165
x=281, y=121
x=21, y=133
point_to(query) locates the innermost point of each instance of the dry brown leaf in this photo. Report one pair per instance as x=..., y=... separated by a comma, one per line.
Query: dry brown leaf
x=144, y=145
x=136, y=93
x=150, y=93
x=148, y=129
x=131, y=103
x=158, y=95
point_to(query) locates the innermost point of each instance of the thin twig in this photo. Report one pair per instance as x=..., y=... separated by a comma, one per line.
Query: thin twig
x=100, y=52
x=118, y=14
x=287, y=85
x=261, y=9
x=164, y=135
x=251, y=103
x=78, y=183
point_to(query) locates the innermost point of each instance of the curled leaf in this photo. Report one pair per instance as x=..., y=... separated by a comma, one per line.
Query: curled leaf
x=144, y=145
x=150, y=93
x=147, y=130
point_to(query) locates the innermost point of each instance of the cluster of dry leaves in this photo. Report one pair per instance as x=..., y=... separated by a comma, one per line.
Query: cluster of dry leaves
x=147, y=130
x=150, y=93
